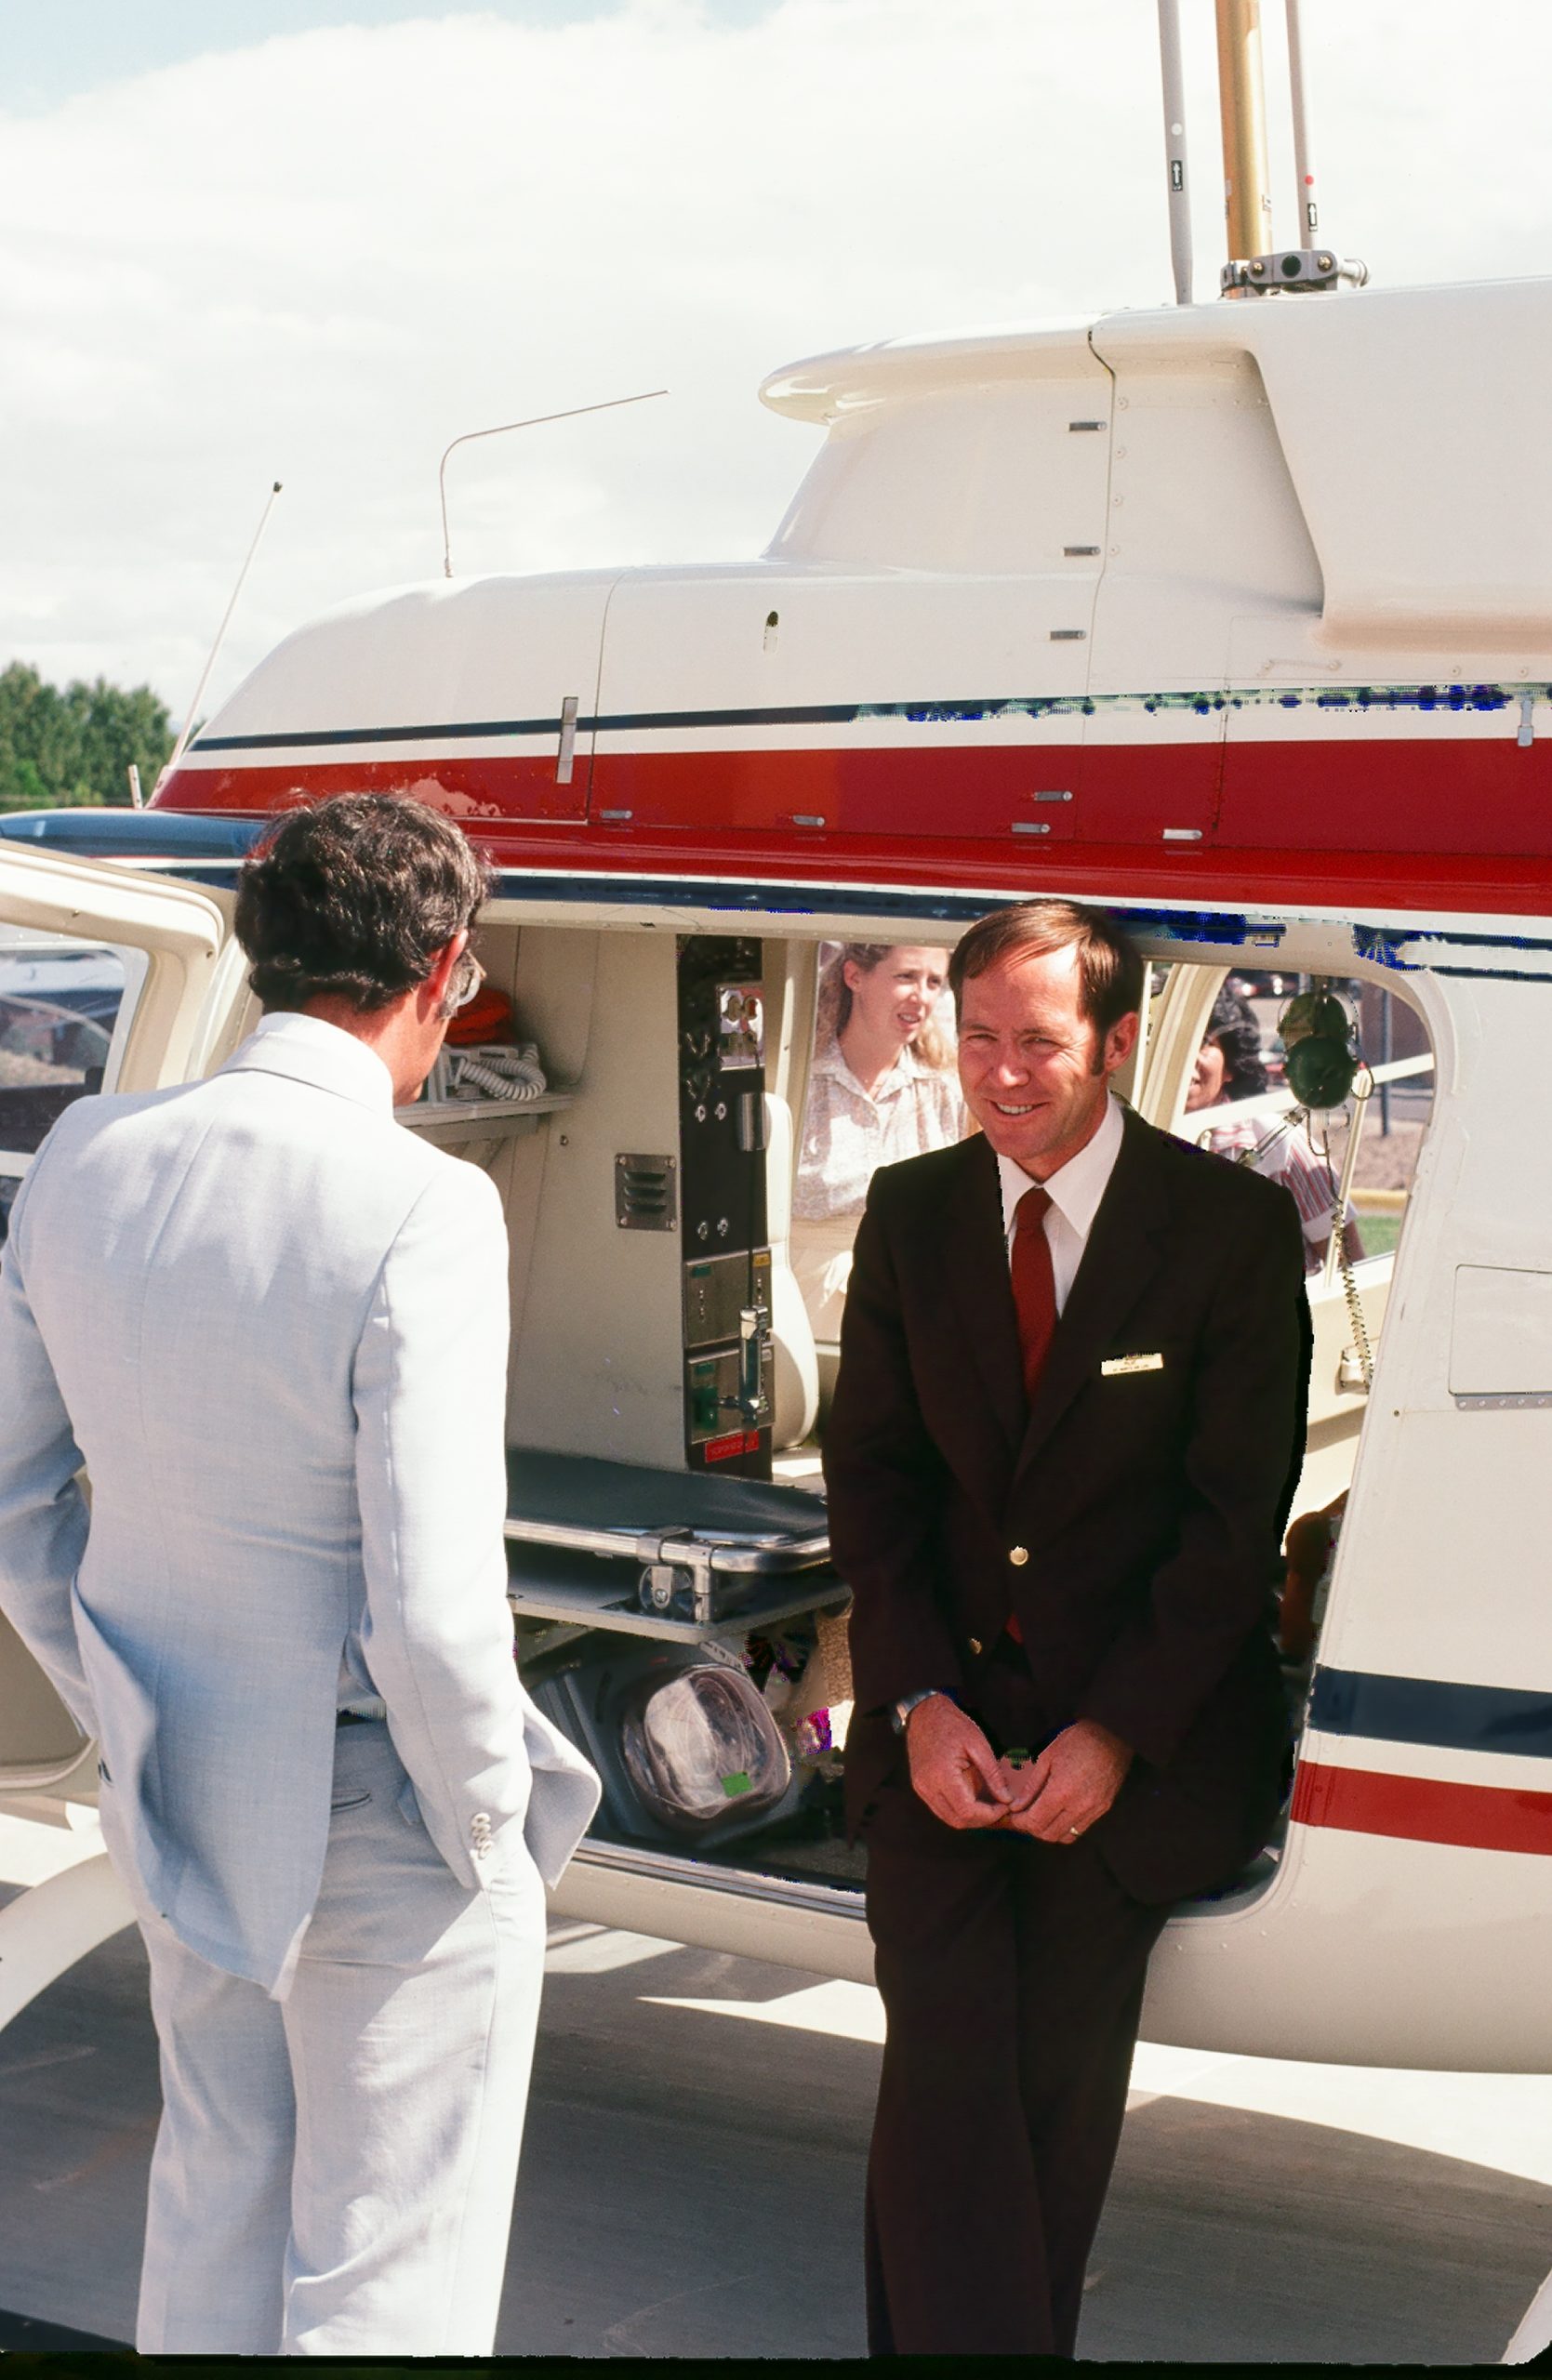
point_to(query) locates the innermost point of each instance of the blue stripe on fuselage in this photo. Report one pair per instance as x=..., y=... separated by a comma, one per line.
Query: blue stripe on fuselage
x=1430, y=1711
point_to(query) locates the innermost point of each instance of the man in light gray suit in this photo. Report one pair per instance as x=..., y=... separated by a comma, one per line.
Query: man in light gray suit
x=271, y=1326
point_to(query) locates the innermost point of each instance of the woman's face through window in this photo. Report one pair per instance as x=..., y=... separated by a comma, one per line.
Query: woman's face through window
x=894, y=1000
x=1208, y=1076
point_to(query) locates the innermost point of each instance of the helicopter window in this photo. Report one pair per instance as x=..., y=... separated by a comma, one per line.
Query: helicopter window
x=882, y=1085
x=1377, y=1136
x=60, y=1002
x=1341, y=1127
x=1353, y=1154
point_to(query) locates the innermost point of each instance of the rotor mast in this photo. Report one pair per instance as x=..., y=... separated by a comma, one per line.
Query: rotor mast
x=1242, y=111
x=1256, y=266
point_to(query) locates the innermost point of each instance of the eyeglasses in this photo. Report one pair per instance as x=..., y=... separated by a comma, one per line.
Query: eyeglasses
x=467, y=978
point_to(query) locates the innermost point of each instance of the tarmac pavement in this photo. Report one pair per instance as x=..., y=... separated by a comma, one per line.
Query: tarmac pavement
x=692, y=2179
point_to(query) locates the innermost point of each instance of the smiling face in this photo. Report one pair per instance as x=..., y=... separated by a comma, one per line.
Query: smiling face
x=1033, y=1070
x=1208, y=1076
x=894, y=998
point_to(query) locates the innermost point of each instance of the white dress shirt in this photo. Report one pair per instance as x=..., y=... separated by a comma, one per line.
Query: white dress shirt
x=1075, y=1190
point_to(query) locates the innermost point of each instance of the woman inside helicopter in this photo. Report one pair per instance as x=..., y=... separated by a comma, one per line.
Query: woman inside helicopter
x=882, y=1086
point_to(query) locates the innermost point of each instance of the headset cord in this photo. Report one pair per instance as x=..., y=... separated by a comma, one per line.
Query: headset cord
x=1362, y=1344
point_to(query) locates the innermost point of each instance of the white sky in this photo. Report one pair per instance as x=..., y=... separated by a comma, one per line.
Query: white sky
x=249, y=240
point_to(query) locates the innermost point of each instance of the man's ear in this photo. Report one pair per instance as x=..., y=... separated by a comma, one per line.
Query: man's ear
x=434, y=989
x=1121, y=1040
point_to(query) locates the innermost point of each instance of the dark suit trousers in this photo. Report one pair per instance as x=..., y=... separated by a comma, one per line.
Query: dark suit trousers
x=1012, y=1975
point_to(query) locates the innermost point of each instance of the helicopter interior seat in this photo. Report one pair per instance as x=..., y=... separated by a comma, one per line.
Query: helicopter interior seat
x=795, y=1386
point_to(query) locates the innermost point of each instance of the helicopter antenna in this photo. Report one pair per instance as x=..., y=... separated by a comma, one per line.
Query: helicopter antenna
x=1174, y=148
x=192, y=714
x=1308, y=214
x=534, y=421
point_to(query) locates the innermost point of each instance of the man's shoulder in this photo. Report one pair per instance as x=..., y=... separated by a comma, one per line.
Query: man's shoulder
x=386, y=1165
x=925, y=1180
x=1218, y=1187
x=265, y=1128
x=86, y=1122
x=449, y=1183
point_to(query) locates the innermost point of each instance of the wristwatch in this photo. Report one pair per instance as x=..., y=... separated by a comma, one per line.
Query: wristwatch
x=900, y=1711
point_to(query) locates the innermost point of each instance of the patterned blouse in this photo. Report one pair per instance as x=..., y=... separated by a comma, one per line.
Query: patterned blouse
x=848, y=1133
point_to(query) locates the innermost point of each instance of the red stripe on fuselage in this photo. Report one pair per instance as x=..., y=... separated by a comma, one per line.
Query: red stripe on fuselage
x=1423, y=1809
x=1462, y=826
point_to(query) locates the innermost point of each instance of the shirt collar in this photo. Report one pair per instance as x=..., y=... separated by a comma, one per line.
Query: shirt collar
x=309, y=1049
x=831, y=1060
x=1077, y=1187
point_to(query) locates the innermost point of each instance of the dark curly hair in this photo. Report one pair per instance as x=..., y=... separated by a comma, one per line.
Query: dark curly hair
x=352, y=898
x=1233, y=1026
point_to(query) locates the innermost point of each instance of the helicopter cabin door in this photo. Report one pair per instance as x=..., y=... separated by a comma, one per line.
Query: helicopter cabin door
x=105, y=977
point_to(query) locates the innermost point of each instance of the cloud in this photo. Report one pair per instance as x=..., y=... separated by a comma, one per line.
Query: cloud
x=321, y=258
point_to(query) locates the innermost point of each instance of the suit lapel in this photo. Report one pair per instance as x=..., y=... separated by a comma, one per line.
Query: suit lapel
x=976, y=1261
x=1125, y=1250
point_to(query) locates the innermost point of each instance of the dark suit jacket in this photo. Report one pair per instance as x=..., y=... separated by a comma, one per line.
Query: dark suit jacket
x=1151, y=1502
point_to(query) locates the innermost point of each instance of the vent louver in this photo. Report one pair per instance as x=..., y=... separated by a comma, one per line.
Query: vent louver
x=644, y=1192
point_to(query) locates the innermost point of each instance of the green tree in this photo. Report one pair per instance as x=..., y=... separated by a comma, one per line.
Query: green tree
x=73, y=746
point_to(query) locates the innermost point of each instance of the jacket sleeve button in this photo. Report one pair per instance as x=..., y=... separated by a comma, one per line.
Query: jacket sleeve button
x=1018, y=1556
x=975, y=1645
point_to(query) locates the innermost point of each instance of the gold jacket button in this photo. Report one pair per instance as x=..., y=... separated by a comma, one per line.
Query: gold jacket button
x=975, y=1645
x=1018, y=1556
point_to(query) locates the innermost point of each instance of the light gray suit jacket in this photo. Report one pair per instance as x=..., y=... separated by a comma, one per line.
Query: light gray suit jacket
x=272, y=1324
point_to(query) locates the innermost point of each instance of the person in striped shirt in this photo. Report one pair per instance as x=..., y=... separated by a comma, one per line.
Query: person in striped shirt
x=1230, y=1071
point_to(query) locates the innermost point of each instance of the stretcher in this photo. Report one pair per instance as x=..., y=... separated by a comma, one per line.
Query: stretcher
x=601, y=1544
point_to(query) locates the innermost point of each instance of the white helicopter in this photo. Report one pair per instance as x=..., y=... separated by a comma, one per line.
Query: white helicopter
x=1236, y=618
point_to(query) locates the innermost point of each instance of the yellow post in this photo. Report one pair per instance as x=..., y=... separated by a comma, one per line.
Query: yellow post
x=1242, y=102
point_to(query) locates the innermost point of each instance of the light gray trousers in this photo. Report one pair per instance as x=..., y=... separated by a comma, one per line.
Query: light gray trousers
x=334, y=2172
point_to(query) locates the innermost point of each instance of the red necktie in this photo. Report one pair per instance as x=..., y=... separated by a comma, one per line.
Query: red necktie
x=1034, y=1297
x=1034, y=1284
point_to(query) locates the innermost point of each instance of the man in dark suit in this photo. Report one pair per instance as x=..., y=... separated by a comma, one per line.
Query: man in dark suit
x=1066, y=1427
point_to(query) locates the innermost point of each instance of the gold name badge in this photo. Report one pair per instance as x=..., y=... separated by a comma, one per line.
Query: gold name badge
x=1115, y=1365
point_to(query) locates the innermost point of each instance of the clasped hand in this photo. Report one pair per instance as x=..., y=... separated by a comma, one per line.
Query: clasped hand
x=1055, y=1797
